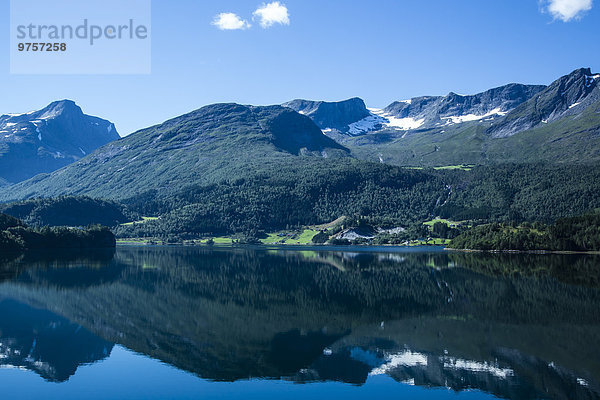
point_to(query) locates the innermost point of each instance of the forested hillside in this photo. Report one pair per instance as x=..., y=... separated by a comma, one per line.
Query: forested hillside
x=580, y=233
x=67, y=211
x=287, y=196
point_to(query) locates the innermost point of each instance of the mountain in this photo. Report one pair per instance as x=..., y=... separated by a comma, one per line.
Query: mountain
x=511, y=123
x=567, y=96
x=332, y=115
x=432, y=111
x=46, y=140
x=352, y=117
x=559, y=123
x=216, y=142
x=236, y=169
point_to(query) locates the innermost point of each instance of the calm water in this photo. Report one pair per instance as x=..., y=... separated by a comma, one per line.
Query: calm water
x=159, y=322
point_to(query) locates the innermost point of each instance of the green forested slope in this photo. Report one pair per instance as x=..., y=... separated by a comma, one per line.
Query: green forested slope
x=206, y=145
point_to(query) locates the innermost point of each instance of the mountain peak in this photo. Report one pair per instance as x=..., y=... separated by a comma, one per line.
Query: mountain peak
x=331, y=115
x=565, y=96
x=60, y=107
x=582, y=71
x=48, y=139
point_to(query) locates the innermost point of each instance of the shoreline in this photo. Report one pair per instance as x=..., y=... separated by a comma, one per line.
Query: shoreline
x=358, y=248
x=303, y=247
x=540, y=252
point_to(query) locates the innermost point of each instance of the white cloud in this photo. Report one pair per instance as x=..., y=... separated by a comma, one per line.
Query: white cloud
x=229, y=22
x=567, y=10
x=271, y=14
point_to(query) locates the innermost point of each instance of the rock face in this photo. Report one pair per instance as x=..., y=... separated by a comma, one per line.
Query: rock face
x=454, y=108
x=331, y=115
x=46, y=140
x=566, y=96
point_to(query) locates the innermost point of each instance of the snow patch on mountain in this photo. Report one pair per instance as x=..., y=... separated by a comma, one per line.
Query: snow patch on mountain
x=403, y=124
x=368, y=124
x=50, y=114
x=459, y=119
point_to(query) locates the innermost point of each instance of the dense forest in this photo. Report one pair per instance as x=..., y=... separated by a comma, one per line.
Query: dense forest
x=285, y=196
x=15, y=236
x=521, y=192
x=281, y=198
x=271, y=197
x=68, y=211
x=580, y=233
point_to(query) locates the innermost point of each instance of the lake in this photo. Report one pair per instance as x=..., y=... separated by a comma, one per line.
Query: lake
x=257, y=323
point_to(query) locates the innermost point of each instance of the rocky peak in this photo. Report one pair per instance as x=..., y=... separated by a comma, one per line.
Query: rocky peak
x=331, y=115
x=566, y=96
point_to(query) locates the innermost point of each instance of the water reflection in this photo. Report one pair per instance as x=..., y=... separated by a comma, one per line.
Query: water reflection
x=46, y=343
x=431, y=319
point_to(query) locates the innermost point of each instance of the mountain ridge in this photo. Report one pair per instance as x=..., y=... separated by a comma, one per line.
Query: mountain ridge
x=567, y=95
x=331, y=115
x=227, y=141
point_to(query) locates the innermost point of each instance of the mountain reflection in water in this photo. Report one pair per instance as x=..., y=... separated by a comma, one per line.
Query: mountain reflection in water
x=425, y=318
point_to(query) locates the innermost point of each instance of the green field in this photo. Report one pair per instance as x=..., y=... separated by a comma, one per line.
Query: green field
x=305, y=237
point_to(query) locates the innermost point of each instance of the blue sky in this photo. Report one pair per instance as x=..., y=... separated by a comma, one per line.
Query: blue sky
x=380, y=50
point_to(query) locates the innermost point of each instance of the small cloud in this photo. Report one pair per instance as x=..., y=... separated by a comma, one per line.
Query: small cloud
x=567, y=10
x=230, y=22
x=271, y=14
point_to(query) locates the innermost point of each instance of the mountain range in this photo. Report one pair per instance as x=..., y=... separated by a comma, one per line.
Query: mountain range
x=511, y=123
x=236, y=165
x=352, y=117
x=515, y=123
x=206, y=145
x=46, y=140
x=528, y=106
